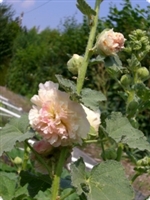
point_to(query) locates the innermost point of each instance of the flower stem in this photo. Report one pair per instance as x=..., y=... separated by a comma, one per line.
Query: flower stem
x=119, y=151
x=134, y=177
x=56, y=181
x=87, y=55
x=25, y=157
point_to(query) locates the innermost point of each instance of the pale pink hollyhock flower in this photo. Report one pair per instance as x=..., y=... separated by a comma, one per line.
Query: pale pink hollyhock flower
x=56, y=118
x=110, y=42
x=93, y=117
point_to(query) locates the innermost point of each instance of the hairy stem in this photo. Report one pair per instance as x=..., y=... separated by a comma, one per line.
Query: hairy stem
x=82, y=72
x=119, y=151
x=25, y=157
x=59, y=167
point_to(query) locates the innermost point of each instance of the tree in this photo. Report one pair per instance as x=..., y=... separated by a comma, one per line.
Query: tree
x=37, y=57
x=9, y=29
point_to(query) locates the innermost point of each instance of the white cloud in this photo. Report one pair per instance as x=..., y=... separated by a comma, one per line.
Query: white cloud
x=1, y=1
x=28, y=3
x=148, y=1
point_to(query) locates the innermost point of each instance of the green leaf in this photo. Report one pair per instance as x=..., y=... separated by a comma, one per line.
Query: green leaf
x=35, y=183
x=66, y=84
x=46, y=195
x=92, y=98
x=97, y=60
x=120, y=129
x=7, y=186
x=21, y=192
x=16, y=152
x=69, y=87
x=69, y=194
x=78, y=175
x=142, y=91
x=15, y=130
x=134, y=63
x=85, y=8
x=107, y=181
x=113, y=65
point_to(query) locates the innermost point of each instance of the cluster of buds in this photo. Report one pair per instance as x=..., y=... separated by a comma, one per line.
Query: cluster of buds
x=143, y=165
x=139, y=44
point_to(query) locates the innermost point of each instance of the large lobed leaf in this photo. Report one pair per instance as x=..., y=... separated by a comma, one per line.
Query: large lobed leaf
x=66, y=84
x=120, y=129
x=10, y=189
x=113, y=65
x=106, y=181
x=92, y=98
x=15, y=130
x=7, y=186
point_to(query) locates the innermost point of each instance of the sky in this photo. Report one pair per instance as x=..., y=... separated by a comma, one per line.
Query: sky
x=49, y=13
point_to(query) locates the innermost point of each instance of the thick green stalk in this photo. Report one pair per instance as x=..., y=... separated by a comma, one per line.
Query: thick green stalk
x=135, y=177
x=87, y=55
x=119, y=151
x=25, y=157
x=56, y=181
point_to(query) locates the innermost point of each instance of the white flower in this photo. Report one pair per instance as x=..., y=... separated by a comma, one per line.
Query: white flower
x=93, y=117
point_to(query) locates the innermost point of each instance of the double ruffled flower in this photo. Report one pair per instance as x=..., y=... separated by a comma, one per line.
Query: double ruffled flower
x=110, y=42
x=56, y=118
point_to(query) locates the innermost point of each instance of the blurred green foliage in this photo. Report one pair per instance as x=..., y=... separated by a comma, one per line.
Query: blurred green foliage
x=32, y=56
x=9, y=29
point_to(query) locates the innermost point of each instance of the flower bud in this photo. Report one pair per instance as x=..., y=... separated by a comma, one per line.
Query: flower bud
x=110, y=42
x=43, y=147
x=143, y=73
x=17, y=160
x=109, y=154
x=75, y=63
x=126, y=80
x=132, y=108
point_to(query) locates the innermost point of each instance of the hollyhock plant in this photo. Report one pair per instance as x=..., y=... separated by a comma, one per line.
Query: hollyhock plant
x=80, y=152
x=56, y=118
x=110, y=42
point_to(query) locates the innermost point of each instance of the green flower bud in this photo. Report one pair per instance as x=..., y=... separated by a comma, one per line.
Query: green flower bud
x=109, y=154
x=143, y=73
x=17, y=161
x=75, y=63
x=132, y=108
x=126, y=80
